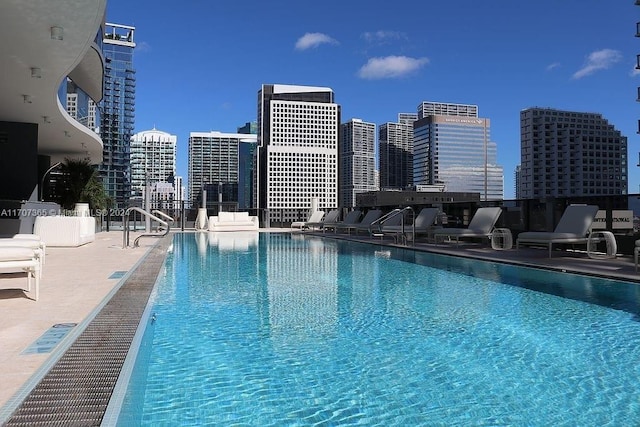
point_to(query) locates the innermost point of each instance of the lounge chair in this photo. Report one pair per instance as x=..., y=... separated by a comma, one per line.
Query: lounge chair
x=37, y=246
x=14, y=258
x=573, y=228
x=315, y=217
x=480, y=226
x=352, y=218
x=331, y=217
x=364, y=224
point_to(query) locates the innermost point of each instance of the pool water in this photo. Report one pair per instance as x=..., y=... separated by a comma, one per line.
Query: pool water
x=298, y=330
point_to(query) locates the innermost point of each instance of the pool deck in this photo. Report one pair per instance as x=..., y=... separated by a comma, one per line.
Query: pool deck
x=77, y=281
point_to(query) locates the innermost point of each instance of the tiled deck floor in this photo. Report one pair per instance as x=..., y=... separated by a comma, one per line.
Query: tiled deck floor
x=74, y=282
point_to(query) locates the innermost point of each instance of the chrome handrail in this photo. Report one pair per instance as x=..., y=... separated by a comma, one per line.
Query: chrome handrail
x=382, y=219
x=163, y=215
x=125, y=224
x=392, y=214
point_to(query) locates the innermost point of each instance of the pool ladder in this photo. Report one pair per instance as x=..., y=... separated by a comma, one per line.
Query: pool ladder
x=164, y=225
x=376, y=227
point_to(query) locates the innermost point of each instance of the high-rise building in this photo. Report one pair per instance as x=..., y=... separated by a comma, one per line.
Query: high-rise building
x=118, y=111
x=178, y=185
x=357, y=160
x=395, y=142
x=516, y=176
x=79, y=105
x=247, y=167
x=297, y=150
x=213, y=165
x=456, y=150
x=153, y=159
x=569, y=153
x=428, y=108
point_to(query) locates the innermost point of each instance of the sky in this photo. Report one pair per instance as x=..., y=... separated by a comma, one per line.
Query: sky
x=200, y=63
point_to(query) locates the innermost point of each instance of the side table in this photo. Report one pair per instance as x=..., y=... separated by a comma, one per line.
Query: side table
x=501, y=239
x=601, y=236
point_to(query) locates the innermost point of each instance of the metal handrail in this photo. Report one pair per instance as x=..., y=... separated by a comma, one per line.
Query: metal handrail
x=163, y=215
x=382, y=219
x=125, y=224
x=392, y=214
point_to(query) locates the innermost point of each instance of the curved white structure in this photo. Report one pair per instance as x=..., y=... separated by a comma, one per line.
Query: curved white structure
x=41, y=43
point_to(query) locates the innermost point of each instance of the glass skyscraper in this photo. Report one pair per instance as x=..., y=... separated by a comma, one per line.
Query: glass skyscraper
x=246, y=166
x=118, y=111
x=456, y=151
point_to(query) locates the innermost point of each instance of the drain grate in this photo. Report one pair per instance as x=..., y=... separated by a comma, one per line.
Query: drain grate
x=77, y=389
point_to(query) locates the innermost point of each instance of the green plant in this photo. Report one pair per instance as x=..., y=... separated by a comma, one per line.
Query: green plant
x=79, y=182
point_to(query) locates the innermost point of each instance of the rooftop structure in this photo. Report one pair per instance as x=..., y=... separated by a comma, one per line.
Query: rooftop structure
x=40, y=49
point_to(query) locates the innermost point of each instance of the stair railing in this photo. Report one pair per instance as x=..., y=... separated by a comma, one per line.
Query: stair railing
x=125, y=225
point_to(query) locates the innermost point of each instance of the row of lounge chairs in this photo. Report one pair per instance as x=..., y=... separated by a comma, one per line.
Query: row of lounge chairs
x=573, y=228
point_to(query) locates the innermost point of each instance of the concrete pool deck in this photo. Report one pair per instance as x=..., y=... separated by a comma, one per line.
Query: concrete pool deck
x=76, y=282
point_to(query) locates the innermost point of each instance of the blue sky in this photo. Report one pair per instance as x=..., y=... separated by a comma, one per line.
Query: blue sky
x=201, y=63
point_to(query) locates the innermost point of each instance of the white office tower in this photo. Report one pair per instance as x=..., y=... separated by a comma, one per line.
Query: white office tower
x=455, y=149
x=297, y=151
x=357, y=160
x=153, y=159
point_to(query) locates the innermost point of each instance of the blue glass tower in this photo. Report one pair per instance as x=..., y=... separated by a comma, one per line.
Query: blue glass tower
x=118, y=112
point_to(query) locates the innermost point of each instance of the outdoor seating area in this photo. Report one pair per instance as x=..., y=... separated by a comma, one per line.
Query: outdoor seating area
x=485, y=229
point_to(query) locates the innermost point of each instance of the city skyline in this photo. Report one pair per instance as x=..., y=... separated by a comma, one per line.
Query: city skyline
x=574, y=55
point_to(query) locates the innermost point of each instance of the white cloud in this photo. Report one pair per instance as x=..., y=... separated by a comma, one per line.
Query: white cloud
x=390, y=67
x=552, y=66
x=382, y=35
x=143, y=47
x=598, y=60
x=310, y=40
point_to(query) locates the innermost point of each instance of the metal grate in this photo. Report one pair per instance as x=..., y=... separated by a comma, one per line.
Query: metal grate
x=77, y=389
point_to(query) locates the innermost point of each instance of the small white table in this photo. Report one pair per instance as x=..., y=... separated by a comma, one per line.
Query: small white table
x=601, y=236
x=501, y=239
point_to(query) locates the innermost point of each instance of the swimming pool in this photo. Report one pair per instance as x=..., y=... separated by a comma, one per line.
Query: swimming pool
x=297, y=330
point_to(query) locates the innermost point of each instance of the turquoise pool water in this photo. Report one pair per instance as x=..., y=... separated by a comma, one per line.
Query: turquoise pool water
x=297, y=330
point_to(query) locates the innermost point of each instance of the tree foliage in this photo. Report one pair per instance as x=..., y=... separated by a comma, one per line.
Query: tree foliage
x=80, y=183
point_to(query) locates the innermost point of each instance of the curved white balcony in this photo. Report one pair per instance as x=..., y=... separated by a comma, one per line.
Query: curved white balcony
x=43, y=42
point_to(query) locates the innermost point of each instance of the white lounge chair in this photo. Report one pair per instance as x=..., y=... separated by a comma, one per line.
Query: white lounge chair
x=14, y=258
x=480, y=226
x=313, y=218
x=573, y=228
x=38, y=247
